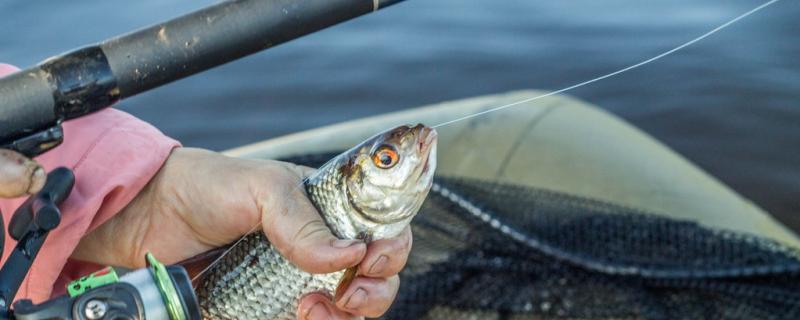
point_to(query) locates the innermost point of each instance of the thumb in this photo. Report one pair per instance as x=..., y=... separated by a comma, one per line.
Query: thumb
x=19, y=175
x=296, y=229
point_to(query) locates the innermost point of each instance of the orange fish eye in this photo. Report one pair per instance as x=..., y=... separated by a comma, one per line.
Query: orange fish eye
x=385, y=157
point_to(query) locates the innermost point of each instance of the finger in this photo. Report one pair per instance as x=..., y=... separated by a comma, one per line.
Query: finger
x=369, y=297
x=386, y=257
x=317, y=306
x=296, y=229
x=19, y=175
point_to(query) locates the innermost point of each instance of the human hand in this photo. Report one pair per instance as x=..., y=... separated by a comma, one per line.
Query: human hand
x=201, y=200
x=19, y=175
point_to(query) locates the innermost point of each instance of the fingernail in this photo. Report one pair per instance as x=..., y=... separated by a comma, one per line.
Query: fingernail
x=339, y=243
x=356, y=299
x=39, y=173
x=318, y=312
x=37, y=180
x=378, y=266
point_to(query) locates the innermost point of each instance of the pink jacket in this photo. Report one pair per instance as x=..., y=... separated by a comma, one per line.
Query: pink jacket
x=113, y=156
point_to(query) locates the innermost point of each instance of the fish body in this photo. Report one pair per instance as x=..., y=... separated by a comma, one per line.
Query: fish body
x=370, y=192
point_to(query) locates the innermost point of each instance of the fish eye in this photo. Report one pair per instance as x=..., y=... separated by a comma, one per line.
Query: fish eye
x=385, y=157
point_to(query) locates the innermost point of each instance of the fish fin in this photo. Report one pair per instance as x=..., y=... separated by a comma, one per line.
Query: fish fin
x=197, y=264
x=351, y=273
x=344, y=283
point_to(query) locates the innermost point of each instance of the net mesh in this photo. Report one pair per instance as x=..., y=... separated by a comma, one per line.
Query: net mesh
x=485, y=250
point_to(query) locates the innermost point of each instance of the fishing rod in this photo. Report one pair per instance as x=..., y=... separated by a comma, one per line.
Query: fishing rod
x=34, y=101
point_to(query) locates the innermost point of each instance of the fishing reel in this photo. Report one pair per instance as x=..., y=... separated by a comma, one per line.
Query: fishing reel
x=156, y=292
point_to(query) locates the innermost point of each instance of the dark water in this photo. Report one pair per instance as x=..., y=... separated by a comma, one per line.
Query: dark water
x=730, y=103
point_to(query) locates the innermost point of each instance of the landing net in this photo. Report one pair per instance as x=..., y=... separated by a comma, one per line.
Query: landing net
x=485, y=250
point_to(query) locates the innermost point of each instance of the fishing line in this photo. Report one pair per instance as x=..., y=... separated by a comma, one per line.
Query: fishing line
x=499, y=108
x=609, y=75
x=224, y=253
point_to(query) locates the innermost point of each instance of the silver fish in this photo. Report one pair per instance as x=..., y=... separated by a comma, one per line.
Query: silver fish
x=370, y=192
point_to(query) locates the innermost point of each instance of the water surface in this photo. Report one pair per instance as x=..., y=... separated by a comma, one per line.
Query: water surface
x=731, y=103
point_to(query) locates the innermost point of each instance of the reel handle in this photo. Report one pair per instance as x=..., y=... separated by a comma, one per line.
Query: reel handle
x=30, y=226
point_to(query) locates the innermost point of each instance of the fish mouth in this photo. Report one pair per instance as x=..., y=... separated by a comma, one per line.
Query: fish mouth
x=426, y=140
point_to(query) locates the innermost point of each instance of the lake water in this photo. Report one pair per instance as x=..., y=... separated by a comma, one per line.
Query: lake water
x=730, y=103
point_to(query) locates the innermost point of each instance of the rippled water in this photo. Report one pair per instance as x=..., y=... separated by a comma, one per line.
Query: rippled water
x=730, y=103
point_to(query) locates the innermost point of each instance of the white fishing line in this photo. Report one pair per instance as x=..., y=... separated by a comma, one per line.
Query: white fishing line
x=623, y=70
x=225, y=253
x=494, y=109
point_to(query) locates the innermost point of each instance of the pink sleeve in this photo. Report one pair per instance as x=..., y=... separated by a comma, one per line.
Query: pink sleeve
x=113, y=156
x=6, y=69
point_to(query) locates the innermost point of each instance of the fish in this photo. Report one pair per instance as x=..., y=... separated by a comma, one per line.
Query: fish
x=369, y=192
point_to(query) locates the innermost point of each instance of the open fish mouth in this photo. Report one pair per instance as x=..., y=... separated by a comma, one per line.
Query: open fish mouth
x=426, y=142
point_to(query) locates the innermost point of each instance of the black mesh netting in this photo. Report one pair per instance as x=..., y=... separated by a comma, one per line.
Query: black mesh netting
x=484, y=250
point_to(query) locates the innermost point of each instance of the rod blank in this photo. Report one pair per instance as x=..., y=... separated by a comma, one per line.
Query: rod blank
x=95, y=77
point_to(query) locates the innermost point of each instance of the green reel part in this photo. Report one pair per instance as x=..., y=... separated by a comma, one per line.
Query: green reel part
x=98, y=278
x=166, y=287
x=160, y=276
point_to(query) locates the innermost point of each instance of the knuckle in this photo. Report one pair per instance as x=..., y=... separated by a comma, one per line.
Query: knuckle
x=409, y=239
x=405, y=245
x=400, y=246
x=310, y=230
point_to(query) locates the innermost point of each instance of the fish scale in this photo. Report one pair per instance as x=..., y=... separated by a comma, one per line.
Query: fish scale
x=254, y=281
